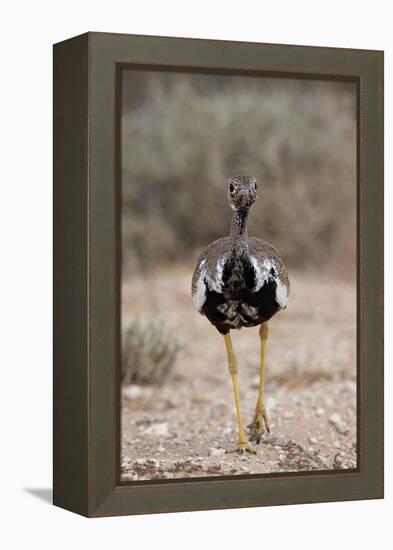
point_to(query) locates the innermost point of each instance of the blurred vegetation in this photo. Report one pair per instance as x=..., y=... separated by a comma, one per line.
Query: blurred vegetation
x=149, y=351
x=184, y=135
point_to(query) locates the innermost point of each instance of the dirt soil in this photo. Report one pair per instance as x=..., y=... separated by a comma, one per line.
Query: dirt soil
x=183, y=428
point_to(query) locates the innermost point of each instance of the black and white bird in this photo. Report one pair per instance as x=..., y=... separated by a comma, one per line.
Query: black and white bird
x=241, y=281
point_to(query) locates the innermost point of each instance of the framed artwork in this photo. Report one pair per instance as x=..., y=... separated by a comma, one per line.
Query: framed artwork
x=202, y=187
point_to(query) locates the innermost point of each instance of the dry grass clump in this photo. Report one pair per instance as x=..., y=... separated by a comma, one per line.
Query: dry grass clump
x=186, y=135
x=149, y=351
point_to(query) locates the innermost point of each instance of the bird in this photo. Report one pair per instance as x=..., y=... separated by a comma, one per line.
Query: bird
x=241, y=281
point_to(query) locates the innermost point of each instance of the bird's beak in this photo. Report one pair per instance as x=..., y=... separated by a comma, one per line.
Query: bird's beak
x=242, y=193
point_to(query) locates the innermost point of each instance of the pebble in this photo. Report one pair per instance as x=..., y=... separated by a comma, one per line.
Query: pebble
x=313, y=440
x=337, y=422
x=157, y=429
x=351, y=386
x=133, y=391
x=153, y=462
x=271, y=403
x=213, y=451
x=320, y=411
x=324, y=461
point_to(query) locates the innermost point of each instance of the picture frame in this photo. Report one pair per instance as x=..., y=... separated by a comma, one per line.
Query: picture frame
x=87, y=260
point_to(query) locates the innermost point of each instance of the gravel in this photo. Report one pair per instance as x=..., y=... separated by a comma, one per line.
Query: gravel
x=183, y=427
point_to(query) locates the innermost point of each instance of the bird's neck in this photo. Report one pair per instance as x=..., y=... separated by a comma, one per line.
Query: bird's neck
x=239, y=231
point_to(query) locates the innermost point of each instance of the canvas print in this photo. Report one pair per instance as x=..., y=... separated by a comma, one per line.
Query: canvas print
x=238, y=275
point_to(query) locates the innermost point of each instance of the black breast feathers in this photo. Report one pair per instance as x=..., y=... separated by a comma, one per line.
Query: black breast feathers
x=238, y=304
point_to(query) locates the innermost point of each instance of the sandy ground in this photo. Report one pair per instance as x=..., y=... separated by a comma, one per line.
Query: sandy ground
x=182, y=428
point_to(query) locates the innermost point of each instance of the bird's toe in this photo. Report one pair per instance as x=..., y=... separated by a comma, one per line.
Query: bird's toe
x=241, y=448
x=258, y=426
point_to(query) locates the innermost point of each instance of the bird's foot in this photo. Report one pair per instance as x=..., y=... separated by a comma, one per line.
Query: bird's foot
x=258, y=425
x=241, y=448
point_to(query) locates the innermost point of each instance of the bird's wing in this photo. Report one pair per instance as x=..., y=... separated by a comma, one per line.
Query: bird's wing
x=209, y=270
x=267, y=262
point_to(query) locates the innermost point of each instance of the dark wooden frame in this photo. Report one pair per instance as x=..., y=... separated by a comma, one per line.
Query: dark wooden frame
x=87, y=260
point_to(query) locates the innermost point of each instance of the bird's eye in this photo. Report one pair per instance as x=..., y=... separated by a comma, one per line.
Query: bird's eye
x=255, y=186
x=231, y=188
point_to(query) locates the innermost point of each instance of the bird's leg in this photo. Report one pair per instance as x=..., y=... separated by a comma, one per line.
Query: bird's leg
x=242, y=444
x=261, y=418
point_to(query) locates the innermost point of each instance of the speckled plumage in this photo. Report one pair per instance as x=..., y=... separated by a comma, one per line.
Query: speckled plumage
x=240, y=281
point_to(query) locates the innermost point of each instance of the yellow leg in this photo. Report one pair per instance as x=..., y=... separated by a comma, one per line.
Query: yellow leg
x=242, y=444
x=261, y=418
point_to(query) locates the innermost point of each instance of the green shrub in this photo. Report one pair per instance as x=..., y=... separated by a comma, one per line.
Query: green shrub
x=149, y=351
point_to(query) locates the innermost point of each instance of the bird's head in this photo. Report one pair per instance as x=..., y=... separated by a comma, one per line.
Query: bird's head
x=242, y=192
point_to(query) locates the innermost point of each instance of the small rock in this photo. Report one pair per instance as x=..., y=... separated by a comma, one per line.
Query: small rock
x=337, y=462
x=337, y=422
x=160, y=429
x=313, y=440
x=351, y=386
x=324, y=461
x=320, y=411
x=288, y=414
x=153, y=462
x=172, y=402
x=271, y=402
x=133, y=391
x=214, y=451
